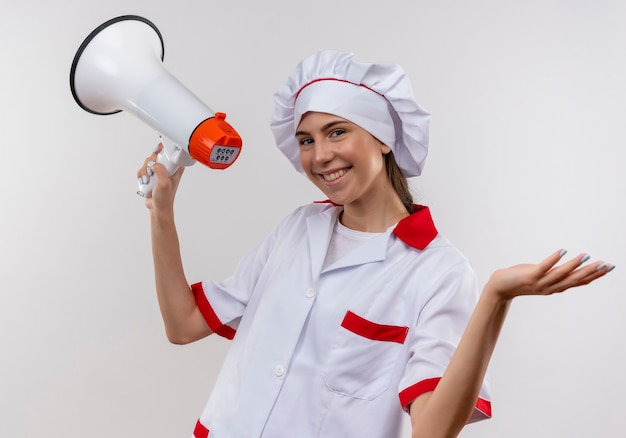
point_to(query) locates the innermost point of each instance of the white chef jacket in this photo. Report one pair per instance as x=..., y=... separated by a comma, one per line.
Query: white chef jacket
x=338, y=352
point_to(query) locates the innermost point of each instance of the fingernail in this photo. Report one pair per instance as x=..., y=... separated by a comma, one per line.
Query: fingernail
x=584, y=259
x=150, y=163
x=610, y=268
x=156, y=148
x=562, y=253
x=144, y=179
x=150, y=172
x=601, y=267
x=139, y=181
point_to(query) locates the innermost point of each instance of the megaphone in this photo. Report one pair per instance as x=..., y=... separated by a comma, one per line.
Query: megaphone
x=119, y=66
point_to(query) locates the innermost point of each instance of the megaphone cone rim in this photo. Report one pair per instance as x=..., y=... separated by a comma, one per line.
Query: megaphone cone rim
x=90, y=37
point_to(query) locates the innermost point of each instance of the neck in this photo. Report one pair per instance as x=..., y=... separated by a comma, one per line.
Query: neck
x=374, y=217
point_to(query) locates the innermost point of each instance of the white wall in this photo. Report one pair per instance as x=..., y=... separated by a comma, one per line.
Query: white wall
x=527, y=156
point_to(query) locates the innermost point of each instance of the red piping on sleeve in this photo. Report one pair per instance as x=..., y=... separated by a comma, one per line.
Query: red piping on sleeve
x=412, y=392
x=209, y=314
x=484, y=406
x=200, y=431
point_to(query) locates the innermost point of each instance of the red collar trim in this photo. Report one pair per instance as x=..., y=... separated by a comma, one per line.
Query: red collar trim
x=416, y=230
x=327, y=201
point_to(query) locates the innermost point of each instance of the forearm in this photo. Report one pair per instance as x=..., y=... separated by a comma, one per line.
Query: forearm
x=448, y=408
x=181, y=317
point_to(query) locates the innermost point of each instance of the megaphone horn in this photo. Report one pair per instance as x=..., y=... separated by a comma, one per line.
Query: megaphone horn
x=119, y=66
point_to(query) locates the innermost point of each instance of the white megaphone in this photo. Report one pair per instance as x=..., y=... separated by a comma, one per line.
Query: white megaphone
x=119, y=67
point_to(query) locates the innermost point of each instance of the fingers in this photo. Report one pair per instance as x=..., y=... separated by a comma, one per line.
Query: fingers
x=147, y=170
x=589, y=273
x=574, y=273
x=552, y=260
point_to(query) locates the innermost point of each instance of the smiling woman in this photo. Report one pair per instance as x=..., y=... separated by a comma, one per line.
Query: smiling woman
x=347, y=164
x=355, y=311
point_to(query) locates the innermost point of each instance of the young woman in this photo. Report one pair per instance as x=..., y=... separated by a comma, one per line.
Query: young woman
x=354, y=310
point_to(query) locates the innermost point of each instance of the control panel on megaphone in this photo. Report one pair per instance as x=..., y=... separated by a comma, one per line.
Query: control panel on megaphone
x=214, y=143
x=119, y=67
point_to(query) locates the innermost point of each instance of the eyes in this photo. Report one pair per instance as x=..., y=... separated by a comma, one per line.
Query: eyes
x=333, y=134
x=337, y=132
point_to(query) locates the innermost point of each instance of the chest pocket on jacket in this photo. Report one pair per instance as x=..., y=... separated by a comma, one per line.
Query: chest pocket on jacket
x=363, y=357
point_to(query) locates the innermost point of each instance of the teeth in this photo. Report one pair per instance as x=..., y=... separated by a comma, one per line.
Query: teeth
x=333, y=176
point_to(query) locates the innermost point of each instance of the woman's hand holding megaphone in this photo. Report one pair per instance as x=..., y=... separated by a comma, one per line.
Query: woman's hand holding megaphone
x=159, y=179
x=170, y=156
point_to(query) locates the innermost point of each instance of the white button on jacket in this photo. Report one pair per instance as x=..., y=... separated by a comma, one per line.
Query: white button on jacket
x=279, y=370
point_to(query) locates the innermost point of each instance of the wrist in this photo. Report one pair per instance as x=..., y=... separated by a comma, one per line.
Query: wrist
x=162, y=217
x=493, y=296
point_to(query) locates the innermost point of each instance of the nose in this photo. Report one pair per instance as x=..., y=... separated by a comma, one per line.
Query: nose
x=323, y=152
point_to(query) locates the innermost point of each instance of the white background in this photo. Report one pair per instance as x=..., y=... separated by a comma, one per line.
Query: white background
x=527, y=156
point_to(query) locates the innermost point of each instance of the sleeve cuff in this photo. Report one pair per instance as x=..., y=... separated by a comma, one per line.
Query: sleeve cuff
x=209, y=314
x=482, y=409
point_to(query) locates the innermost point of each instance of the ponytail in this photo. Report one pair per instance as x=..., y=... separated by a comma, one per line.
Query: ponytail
x=399, y=182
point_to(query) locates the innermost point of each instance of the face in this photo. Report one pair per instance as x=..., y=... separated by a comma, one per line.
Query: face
x=343, y=160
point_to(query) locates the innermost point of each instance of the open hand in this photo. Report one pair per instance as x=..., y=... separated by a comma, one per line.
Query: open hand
x=546, y=278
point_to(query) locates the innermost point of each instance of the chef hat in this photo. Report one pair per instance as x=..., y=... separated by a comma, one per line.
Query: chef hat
x=376, y=97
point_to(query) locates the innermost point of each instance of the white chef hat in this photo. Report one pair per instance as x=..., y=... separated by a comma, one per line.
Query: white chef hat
x=376, y=97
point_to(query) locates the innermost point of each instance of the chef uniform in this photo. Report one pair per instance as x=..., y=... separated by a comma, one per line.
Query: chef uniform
x=339, y=342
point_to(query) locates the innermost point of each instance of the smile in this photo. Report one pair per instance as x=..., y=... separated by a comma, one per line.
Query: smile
x=335, y=175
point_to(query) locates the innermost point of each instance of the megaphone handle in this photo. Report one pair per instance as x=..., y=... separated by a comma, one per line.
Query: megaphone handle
x=162, y=158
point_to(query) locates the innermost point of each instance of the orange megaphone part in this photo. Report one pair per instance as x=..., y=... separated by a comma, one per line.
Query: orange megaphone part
x=215, y=143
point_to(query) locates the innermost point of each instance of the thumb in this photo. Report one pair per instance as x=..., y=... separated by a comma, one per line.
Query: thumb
x=160, y=173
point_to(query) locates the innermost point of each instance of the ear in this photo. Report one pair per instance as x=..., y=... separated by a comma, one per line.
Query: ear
x=384, y=149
